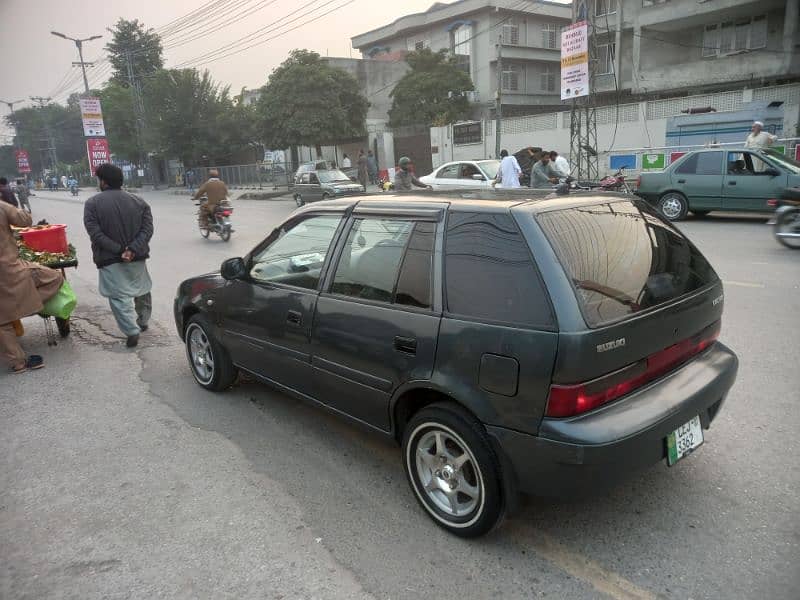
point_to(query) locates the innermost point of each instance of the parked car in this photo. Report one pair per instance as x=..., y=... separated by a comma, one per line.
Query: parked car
x=465, y=174
x=321, y=185
x=489, y=338
x=729, y=179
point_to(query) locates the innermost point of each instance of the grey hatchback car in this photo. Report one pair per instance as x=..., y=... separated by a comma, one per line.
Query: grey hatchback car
x=549, y=346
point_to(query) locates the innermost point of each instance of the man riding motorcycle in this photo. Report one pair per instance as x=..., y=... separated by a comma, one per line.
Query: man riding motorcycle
x=215, y=191
x=404, y=179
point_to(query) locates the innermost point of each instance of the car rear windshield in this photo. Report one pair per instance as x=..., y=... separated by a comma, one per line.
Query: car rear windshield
x=623, y=258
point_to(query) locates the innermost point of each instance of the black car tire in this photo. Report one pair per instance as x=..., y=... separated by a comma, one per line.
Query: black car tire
x=479, y=471
x=673, y=206
x=223, y=371
x=298, y=200
x=325, y=197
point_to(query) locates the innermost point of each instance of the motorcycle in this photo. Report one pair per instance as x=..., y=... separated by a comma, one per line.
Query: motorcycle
x=219, y=222
x=786, y=221
x=615, y=183
x=74, y=190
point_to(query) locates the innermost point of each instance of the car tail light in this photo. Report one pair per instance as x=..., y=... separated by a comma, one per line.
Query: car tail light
x=571, y=400
x=772, y=202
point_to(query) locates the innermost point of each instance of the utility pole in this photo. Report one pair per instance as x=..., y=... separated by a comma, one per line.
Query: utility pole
x=498, y=100
x=138, y=109
x=49, y=140
x=81, y=63
x=583, y=118
x=11, y=108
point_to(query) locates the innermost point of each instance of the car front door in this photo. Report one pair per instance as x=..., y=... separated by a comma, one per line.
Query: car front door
x=699, y=178
x=750, y=181
x=448, y=177
x=376, y=324
x=266, y=317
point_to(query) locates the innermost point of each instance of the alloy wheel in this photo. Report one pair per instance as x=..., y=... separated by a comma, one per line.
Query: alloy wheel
x=200, y=354
x=672, y=206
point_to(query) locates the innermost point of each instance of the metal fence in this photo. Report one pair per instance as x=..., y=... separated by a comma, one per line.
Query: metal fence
x=260, y=175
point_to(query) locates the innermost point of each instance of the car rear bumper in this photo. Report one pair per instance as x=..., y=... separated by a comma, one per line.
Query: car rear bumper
x=579, y=454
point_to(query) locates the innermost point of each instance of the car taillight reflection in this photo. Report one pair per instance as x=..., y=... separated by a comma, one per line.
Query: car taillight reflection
x=571, y=400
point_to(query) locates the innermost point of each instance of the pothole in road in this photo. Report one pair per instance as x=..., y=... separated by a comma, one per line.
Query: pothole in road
x=96, y=326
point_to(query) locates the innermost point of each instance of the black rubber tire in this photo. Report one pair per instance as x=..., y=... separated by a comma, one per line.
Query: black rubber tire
x=205, y=232
x=325, y=197
x=225, y=372
x=225, y=234
x=298, y=199
x=784, y=218
x=701, y=214
x=489, y=513
x=684, y=209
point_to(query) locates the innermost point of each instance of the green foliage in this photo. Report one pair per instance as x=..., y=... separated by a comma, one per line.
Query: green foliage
x=65, y=124
x=120, y=120
x=308, y=102
x=432, y=92
x=144, y=46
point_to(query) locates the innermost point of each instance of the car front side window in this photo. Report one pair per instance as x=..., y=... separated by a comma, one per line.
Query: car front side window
x=297, y=252
x=448, y=172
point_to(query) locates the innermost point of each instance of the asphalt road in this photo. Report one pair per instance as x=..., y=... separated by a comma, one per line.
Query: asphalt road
x=120, y=478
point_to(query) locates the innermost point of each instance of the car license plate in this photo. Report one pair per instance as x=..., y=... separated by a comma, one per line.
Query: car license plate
x=684, y=440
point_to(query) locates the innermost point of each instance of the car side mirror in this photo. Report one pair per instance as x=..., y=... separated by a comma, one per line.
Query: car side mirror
x=478, y=177
x=233, y=268
x=772, y=172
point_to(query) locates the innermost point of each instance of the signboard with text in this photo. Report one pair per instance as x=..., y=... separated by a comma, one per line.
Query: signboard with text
x=92, y=116
x=98, y=152
x=575, y=61
x=467, y=133
x=653, y=161
x=23, y=161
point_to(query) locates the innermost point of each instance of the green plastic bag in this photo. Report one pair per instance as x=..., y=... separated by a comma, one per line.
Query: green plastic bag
x=62, y=304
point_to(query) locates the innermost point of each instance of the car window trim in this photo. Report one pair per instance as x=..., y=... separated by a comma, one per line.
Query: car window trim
x=325, y=289
x=325, y=265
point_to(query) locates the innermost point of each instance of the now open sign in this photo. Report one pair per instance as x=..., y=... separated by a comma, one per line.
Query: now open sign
x=98, y=152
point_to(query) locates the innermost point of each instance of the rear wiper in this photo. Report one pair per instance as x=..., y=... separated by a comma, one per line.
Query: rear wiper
x=608, y=292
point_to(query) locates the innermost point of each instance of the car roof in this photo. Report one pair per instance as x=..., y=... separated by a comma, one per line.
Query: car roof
x=469, y=200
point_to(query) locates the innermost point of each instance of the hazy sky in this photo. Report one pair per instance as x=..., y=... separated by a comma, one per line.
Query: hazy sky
x=35, y=63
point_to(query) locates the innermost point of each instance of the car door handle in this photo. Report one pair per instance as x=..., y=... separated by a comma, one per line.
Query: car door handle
x=681, y=181
x=294, y=317
x=731, y=183
x=405, y=344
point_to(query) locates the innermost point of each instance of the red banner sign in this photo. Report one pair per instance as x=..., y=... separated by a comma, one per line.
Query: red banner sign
x=673, y=156
x=97, y=149
x=23, y=162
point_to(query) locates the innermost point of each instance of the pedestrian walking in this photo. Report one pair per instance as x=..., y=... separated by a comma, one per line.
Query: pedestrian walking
x=26, y=287
x=7, y=194
x=64, y=182
x=120, y=226
x=346, y=164
x=758, y=138
x=372, y=168
x=509, y=171
x=23, y=195
x=53, y=183
x=363, y=171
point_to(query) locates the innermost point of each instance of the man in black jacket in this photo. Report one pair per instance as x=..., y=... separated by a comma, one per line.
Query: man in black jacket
x=120, y=226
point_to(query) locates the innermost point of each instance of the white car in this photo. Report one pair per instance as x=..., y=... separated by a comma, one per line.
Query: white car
x=465, y=174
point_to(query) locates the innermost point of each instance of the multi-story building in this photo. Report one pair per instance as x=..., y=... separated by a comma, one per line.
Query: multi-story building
x=526, y=32
x=659, y=48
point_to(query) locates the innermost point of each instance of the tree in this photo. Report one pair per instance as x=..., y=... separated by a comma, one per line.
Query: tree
x=432, y=92
x=308, y=102
x=36, y=124
x=144, y=46
x=183, y=106
x=120, y=120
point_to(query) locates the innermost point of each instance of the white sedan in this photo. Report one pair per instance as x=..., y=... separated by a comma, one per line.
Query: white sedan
x=465, y=174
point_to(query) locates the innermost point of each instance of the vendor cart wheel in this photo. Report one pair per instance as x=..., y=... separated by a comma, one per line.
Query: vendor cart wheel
x=63, y=327
x=209, y=360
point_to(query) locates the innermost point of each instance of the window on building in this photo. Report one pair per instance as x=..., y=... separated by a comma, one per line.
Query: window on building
x=548, y=78
x=550, y=35
x=605, y=7
x=418, y=44
x=605, y=58
x=511, y=32
x=728, y=37
x=461, y=46
x=512, y=77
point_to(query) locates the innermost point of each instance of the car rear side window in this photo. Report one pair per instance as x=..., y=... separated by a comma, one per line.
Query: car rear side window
x=701, y=163
x=623, y=258
x=414, y=282
x=489, y=272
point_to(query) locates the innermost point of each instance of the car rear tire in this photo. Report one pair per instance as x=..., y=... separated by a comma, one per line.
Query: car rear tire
x=210, y=362
x=298, y=200
x=452, y=470
x=673, y=206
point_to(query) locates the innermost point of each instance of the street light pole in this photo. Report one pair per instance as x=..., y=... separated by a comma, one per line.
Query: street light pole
x=79, y=45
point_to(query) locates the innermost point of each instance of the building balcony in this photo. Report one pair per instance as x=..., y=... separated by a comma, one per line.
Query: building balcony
x=516, y=52
x=680, y=14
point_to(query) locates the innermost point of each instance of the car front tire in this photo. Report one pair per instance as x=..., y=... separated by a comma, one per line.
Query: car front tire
x=210, y=362
x=673, y=205
x=452, y=470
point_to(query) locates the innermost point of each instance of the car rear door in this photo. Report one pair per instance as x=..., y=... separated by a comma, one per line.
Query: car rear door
x=748, y=184
x=266, y=317
x=377, y=321
x=699, y=178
